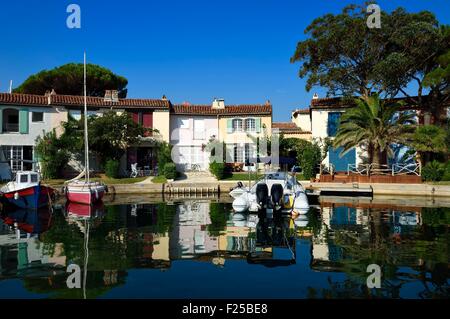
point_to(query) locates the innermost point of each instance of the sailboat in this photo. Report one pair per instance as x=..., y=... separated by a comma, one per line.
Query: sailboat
x=85, y=191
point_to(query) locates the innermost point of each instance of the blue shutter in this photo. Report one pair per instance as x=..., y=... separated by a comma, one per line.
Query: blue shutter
x=229, y=125
x=341, y=163
x=258, y=125
x=23, y=121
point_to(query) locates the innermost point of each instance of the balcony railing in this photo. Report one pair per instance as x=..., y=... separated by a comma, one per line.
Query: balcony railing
x=10, y=128
x=393, y=170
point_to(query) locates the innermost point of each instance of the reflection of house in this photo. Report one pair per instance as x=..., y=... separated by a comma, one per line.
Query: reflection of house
x=190, y=235
x=27, y=257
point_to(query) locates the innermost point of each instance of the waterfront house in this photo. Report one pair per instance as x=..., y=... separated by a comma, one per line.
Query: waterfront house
x=238, y=126
x=23, y=117
x=291, y=130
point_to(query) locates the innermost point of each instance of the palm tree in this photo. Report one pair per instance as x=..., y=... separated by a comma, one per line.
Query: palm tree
x=375, y=124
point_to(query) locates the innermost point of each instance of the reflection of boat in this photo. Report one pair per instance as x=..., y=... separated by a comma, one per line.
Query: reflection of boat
x=277, y=192
x=301, y=221
x=26, y=191
x=275, y=243
x=85, y=191
x=84, y=211
x=31, y=221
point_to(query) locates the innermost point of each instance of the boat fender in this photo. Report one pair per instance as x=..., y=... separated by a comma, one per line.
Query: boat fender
x=276, y=193
x=262, y=194
x=96, y=193
x=106, y=189
x=16, y=196
x=240, y=185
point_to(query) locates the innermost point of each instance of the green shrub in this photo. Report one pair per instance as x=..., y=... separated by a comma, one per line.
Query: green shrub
x=217, y=169
x=112, y=168
x=309, y=158
x=433, y=171
x=170, y=171
x=52, y=154
x=164, y=156
x=446, y=176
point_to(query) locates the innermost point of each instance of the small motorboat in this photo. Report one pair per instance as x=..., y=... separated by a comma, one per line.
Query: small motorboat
x=275, y=192
x=26, y=192
x=238, y=190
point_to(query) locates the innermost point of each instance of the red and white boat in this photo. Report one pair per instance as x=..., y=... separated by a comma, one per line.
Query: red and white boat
x=85, y=191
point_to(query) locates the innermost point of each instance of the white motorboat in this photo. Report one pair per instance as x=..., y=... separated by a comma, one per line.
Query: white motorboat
x=275, y=192
x=238, y=190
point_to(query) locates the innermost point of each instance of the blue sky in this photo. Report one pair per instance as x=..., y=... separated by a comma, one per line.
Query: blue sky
x=188, y=50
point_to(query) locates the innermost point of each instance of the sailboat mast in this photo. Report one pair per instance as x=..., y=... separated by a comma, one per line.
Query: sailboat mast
x=86, y=143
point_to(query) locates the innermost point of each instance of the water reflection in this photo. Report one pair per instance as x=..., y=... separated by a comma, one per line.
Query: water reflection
x=322, y=255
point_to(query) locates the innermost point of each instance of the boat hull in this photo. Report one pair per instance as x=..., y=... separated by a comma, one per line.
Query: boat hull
x=32, y=197
x=85, y=194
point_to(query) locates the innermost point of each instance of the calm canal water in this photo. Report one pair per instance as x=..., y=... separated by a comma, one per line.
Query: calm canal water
x=200, y=249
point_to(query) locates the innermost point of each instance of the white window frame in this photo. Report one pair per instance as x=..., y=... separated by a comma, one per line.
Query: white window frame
x=199, y=133
x=252, y=127
x=236, y=127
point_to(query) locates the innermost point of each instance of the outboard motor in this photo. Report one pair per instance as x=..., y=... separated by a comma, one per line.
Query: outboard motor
x=276, y=194
x=262, y=194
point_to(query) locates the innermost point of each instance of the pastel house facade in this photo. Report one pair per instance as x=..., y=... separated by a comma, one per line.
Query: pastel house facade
x=191, y=131
x=194, y=127
x=22, y=119
x=325, y=117
x=240, y=128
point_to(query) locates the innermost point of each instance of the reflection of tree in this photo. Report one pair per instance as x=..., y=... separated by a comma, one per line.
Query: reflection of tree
x=423, y=248
x=165, y=215
x=219, y=216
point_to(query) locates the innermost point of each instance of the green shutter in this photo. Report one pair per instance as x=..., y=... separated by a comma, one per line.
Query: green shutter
x=23, y=121
x=229, y=125
x=1, y=121
x=258, y=125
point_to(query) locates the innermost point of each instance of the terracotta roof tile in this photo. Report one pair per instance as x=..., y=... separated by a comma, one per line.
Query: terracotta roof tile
x=260, y=109
x=23, y=99
x=73, y=100
x=288, y=127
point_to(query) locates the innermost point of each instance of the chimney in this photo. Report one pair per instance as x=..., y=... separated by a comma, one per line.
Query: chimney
x=218, y=103
x=268, y=102
x=49, y=94
x=115, y=96
x=315, y=96
x=108, y=96
x=164, y=98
